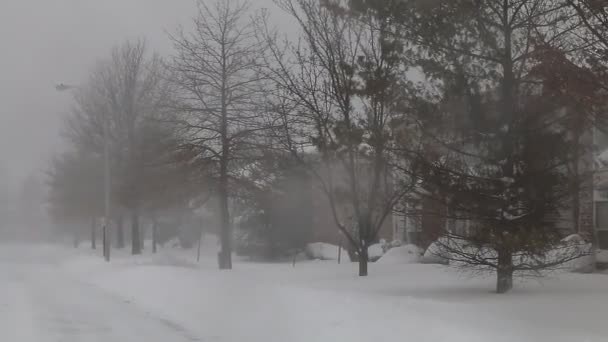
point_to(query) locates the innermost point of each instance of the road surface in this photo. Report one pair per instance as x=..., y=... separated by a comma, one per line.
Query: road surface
x=41, y=303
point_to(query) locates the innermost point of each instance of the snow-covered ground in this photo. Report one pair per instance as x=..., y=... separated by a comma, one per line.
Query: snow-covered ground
x=40, y=301
x=58, y=294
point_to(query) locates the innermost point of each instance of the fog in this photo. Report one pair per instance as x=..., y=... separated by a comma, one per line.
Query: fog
x=325, y=170
x=45, y=43
x=48, y=42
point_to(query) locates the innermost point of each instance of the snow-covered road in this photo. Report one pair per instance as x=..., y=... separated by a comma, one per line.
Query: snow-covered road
x=40, y=302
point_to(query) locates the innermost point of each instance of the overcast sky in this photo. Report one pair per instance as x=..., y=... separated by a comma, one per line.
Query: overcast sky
x=44, y=42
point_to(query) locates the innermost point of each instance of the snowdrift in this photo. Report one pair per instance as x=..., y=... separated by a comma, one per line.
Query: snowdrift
x=324, y=251
x=375, y=252
x=407, y=254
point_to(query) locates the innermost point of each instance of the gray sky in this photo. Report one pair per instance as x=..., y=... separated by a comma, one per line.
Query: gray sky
x=45, y=42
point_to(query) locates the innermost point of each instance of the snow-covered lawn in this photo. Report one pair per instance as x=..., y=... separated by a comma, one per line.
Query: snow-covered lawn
x=318, y=301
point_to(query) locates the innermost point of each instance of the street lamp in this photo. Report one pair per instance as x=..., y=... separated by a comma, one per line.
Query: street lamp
x=106, y=175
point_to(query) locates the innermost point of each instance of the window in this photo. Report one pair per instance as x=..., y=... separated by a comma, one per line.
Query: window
x=601, y=223
x=601, y=215
x=600, y=139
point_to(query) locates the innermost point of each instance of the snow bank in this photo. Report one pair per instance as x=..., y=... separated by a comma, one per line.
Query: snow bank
x=603, y=157
x=324, y=251
x=375, y=251
x=173, y=243
x=602, y=256
x=407, y=254
x=573, y=245
x=573, y=238
x=435, y=253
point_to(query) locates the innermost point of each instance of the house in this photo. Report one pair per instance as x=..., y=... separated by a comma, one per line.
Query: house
x=324, y=226
x=424, y=219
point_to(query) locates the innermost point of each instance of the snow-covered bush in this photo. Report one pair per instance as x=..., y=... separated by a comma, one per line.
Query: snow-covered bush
x=439, y=252
x=573, y=238
x=436, y=254
x=375, y=251
x=406, y=254
x=395, y=243
x=574, y=244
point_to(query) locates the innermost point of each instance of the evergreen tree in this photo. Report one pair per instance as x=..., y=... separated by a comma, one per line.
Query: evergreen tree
x=498, y=142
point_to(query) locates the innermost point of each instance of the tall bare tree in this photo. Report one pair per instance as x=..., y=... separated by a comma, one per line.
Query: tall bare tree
x=127, y=92
x=340, y=94
x=215, y=71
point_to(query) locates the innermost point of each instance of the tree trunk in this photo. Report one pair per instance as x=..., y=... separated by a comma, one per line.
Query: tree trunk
x=93, y=235
x=363, y=260
x=105, y=242
x=154, y=235
x=120, y=232
x=224, y=257
x=135, y=233
x=504, y=272
x=76, y=239
x=142, y=237
x=198, y=249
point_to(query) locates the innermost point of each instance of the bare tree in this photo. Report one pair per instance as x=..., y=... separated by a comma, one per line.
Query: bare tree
x=74, y=188
x=215, y=74
x=340, y=94
x=127, y=92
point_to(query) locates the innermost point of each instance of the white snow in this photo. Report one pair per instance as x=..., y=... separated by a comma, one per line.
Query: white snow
x=572, y=245
x=603, y=157
x=435, y=254
x=407, y=254
x=51, y=294
x=41, y=301
x=602, y=256
x=324, y=251
x=317, y=301
x=573, y=238
x=375, y=251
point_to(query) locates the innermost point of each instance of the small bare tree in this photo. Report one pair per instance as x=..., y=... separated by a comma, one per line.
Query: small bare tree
x=215, y=71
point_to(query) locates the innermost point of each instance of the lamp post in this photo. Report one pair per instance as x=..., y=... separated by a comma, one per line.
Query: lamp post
x=106, y=176
x=106, y=188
